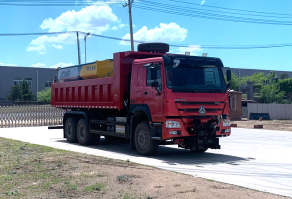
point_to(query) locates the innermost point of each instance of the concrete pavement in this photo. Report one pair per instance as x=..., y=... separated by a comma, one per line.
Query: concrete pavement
x=256, y=159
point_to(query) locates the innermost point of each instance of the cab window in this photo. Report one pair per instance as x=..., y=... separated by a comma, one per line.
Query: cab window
x=153, y=74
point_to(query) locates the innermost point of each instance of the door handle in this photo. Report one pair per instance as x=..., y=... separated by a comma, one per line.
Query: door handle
x=145, y=93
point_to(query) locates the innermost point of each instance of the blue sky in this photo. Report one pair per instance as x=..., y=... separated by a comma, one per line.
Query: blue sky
x=112, y=20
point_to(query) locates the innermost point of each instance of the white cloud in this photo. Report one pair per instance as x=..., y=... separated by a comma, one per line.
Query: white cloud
x=6, y=64
x=96, y=18
x=57, y=46
x=193, y=49
x=104, y=2
x=203, y=2
x=120, y=26
x=114, y=27
x=40, y=44
x=38, y=65
x=61, y=64
x=171, y=32
x=89, y=19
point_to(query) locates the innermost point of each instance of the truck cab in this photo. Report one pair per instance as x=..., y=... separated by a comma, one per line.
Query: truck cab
x=185, y=98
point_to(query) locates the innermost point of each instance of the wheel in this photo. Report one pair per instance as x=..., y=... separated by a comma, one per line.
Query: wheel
x=70, y=130
x=203, y=150
x=199, y=146
x=83, y=135
x=154, y=47
x=143, y=141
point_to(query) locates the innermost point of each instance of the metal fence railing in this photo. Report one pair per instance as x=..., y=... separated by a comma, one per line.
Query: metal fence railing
x=26, y=115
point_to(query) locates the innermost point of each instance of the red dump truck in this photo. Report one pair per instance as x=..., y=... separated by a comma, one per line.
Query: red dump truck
x=150, y=97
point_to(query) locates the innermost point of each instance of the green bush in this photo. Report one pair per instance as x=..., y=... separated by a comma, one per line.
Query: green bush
x=44, y=95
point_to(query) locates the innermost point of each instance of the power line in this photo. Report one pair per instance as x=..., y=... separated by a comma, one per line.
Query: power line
x=192, y=12
x=222, y=47
x=239, y=16
x=51, y=3
x=35, y=33
x=198, y=7
x=234, y=9
x=199, y=14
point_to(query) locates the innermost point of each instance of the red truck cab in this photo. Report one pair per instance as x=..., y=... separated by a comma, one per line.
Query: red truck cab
x=187, y=95
x=153, y=98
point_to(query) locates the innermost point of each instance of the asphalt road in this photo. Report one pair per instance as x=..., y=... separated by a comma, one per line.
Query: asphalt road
x=256, y=159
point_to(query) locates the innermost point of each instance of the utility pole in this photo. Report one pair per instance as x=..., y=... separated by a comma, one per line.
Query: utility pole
x=78, y=47
x=85, y=36
x=37, y=84
x=129, y=4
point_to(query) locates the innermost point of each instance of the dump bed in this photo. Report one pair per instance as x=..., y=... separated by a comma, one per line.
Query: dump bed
x=104, y=93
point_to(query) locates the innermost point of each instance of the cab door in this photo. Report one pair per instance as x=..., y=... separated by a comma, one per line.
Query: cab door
x=146, y=87
x=153, y=94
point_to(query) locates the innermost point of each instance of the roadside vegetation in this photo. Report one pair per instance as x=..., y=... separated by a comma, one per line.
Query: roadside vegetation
x=44, y=95
x=21, y=92
x=33, y=171
x=266, y=88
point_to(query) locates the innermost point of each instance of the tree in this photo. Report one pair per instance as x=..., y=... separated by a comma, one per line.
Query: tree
x=284, y=76
x=21, y=92
x=271, y=93
x=286, y=86
x=235, y=82
x=44, y=95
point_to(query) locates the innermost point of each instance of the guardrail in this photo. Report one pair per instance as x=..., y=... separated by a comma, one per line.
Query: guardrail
x=28, y=115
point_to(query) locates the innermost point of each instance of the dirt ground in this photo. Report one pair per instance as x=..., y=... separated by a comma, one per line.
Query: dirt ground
x=282, y=125
x=33, y=171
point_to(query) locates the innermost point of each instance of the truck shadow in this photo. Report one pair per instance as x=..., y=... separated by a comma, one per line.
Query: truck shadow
x=170, y=155
x=174, y=156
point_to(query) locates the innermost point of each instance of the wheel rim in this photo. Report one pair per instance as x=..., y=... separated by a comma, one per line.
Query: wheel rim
x=142, y=140
x=69, y=129
x=82, y=131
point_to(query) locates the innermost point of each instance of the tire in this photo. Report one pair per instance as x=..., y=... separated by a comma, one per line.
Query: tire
x=199, y=146
x=199, y=150
x=70, y=130
x=143, y=141
x=153, y=47
x=83, y=136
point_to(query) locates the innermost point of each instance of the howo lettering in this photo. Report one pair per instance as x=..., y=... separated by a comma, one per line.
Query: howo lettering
x=149, y=97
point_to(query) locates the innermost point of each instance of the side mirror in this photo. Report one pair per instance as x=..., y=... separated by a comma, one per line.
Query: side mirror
x=228, y=75
x=228, y=86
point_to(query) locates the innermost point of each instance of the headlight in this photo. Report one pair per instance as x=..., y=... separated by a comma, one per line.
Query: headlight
x=226, y=123
x=172, y=124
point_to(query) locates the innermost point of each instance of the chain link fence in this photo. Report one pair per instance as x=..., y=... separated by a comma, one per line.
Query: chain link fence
x=25, y=115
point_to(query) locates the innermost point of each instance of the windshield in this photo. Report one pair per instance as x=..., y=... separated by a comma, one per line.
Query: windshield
x=189, y=74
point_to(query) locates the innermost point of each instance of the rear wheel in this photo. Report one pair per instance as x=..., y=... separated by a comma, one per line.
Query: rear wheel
x=143, y=141
x=83, y=135
x=70, y=130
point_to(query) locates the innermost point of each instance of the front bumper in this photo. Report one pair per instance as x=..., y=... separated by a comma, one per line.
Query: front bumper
x=194, y=127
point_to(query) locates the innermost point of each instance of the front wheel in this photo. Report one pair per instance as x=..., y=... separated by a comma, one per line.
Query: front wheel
x=202, y=150
x=83, y=135
x=143, y=141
